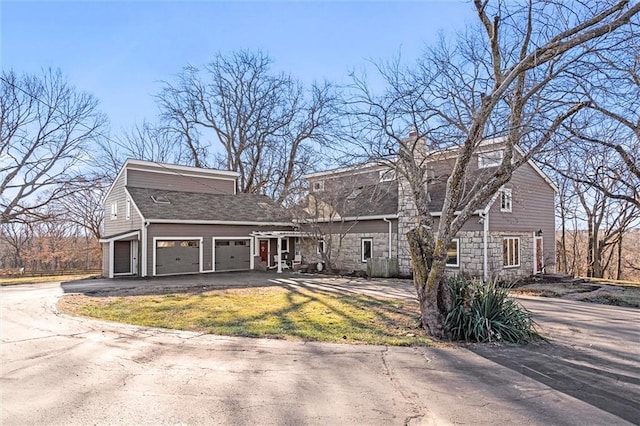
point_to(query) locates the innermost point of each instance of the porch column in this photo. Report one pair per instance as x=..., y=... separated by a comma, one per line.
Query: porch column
x=279, y=255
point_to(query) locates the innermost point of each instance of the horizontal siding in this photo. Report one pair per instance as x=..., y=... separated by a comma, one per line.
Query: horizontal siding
x=121, y=224
x=179, y=182
x=196, y=231
x=533, y=208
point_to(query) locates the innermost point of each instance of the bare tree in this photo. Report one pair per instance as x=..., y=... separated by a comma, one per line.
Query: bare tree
x=267, y=124
x=510, y=76
x=46, y=131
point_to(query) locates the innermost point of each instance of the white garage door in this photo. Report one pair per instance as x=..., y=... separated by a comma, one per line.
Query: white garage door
x=233, y=255
x=177, y=256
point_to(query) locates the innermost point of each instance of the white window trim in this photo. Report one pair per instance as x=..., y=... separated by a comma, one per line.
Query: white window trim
x=128, y=209
x=506, y=200
x=362, y=241
x=484, y=162
x=320, y=187
x=508, y=254
x=457, y=264
x=284, y=240
x=324, y=246
x=114, y=210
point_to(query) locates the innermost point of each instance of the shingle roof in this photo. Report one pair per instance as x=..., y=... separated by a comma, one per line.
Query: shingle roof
x=207, y=207
x=371, y=200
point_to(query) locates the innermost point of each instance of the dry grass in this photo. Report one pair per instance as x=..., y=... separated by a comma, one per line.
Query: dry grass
x=43, y=279
x=273, y=312
x=618, y=295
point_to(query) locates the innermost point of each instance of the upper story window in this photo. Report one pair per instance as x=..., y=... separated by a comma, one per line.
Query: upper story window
x=506, y=200
x=318, y=186
x=114, y=210
x=387, y=175
x=128, y=209
x=490, y=159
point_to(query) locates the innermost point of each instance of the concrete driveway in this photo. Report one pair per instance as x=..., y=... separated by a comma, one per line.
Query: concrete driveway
x=57, y=369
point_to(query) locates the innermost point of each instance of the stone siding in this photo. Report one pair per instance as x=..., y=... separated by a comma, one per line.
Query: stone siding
x=346, y=255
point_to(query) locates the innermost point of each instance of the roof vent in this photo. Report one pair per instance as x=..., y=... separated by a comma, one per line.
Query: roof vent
x=160, y=199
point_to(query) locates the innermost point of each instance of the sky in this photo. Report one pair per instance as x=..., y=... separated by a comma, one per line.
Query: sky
x=122, y=51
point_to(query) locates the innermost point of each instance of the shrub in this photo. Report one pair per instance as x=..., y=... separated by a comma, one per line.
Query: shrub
x=484, y=312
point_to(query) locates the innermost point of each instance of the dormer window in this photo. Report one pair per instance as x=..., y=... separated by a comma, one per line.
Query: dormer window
x=387, y=175
x=318, y=186
x=160, y=199
x=490, y=159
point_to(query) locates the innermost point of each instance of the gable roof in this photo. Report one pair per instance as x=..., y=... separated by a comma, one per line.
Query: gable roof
x=365, y=201
x=199, y=207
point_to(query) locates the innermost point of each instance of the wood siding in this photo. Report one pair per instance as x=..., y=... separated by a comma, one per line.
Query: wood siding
x=180, y=182
x=121, y=224
x=360, y=227
x=533, y=209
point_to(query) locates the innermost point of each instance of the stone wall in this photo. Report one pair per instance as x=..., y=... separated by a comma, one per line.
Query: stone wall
x=346, y=254
x=407, y=214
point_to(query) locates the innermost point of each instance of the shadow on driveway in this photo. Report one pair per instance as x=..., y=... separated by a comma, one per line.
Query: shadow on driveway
x=197, y=283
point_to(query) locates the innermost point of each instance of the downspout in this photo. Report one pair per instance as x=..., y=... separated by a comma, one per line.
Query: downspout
x=485, y=245
x=144, y=248
x=390, y=229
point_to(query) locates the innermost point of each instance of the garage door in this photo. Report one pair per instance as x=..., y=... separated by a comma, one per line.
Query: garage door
x=233, y=255
x=177, y=256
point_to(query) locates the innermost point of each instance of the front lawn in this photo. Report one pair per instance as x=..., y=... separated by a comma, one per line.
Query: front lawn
x=275, y=312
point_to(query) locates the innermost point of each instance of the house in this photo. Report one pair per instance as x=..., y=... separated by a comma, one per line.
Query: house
x=365, y=212
x=163, y=219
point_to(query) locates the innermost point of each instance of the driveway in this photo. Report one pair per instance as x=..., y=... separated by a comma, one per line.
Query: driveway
x=57, y=369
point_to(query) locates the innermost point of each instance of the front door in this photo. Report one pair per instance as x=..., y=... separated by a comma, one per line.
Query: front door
x=538, y=263
x=264, y=251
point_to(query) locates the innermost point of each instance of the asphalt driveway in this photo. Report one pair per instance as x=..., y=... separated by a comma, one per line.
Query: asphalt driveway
x=57, y=369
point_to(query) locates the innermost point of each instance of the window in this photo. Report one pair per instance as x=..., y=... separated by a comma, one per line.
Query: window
x=114, y=210
x=128, y=209
x=189, y=243
x=511, y=252
x=490, y=159
x=320, y=247
x=160, y=199
x=387, y=175
x=453, y=253
x=506, y=200
x=284, y=244
x=318, y=186
x=165, y=244
x=366, y=246
x=240, y=243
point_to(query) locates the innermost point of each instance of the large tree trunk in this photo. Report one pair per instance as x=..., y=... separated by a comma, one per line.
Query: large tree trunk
x=430, y=281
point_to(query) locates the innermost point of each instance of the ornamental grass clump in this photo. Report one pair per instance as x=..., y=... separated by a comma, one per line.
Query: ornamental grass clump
x=484, y=312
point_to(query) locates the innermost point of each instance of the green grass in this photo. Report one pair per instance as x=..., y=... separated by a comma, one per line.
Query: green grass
x=42, y=279
x=272, y=312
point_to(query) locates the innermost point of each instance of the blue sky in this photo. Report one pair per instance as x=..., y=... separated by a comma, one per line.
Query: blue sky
x=121, y=51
